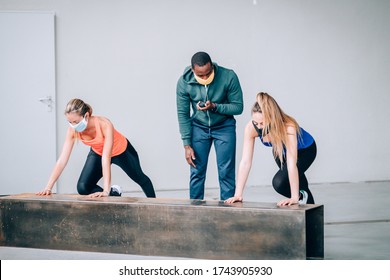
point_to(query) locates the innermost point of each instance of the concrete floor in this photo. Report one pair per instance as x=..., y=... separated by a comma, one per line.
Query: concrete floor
x=357, y=223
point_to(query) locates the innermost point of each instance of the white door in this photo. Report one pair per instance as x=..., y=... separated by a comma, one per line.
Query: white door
x=27, y=101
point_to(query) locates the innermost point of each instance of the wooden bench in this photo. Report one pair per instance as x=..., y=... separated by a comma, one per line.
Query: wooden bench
x=163, y=227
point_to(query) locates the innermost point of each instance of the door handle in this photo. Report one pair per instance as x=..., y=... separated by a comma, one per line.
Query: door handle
x=48, y=101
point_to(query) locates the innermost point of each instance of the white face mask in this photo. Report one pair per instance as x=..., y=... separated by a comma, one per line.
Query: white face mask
x=81, y=126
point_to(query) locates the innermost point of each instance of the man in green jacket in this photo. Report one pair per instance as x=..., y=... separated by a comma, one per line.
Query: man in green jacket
x=214, y=94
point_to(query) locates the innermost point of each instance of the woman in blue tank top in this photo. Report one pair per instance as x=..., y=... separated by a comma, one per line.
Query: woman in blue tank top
x=294, y=150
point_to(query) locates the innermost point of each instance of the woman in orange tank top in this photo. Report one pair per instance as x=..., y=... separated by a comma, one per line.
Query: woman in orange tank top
x=107, y=146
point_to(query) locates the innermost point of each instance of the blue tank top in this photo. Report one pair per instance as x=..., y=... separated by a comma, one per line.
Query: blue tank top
x=304, y=140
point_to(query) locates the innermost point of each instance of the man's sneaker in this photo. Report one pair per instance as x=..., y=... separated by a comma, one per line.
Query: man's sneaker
x=116, y=190
x=304, y=197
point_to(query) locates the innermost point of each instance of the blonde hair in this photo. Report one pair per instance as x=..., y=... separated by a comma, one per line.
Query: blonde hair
x=275, y=122
x=78, y=106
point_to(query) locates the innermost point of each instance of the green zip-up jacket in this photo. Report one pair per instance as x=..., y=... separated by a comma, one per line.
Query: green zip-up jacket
x=225, y=91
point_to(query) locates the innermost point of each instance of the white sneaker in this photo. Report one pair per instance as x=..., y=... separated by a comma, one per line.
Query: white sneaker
x=304, y=197
x=116, y=190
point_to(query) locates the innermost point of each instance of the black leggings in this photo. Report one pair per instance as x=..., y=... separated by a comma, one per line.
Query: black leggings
x=281, y=182
x=128, y=161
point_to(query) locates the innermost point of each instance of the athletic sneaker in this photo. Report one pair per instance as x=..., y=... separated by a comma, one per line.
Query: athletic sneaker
x=303, y=200
x=116, y=190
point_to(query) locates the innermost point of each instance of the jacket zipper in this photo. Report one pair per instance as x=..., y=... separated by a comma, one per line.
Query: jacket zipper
x=207, y=112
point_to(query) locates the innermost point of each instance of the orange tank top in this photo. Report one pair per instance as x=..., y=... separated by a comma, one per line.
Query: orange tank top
x=119, y=146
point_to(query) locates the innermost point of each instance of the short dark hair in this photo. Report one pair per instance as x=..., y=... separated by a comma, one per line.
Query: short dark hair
x=200, y=59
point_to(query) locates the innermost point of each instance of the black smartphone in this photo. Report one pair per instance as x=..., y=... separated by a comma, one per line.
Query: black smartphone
x=202, y=104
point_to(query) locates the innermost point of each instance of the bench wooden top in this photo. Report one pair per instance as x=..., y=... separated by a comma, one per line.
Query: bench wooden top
x=156, y=201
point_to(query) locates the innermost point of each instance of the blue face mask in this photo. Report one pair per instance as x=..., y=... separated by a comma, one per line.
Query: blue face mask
x=81, y=126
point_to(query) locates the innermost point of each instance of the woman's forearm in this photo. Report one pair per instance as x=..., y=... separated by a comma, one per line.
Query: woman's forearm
x=243, y=173
x=294, y=181
x=106, y=167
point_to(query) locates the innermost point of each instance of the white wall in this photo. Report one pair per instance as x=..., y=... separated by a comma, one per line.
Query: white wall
x=326, y=62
